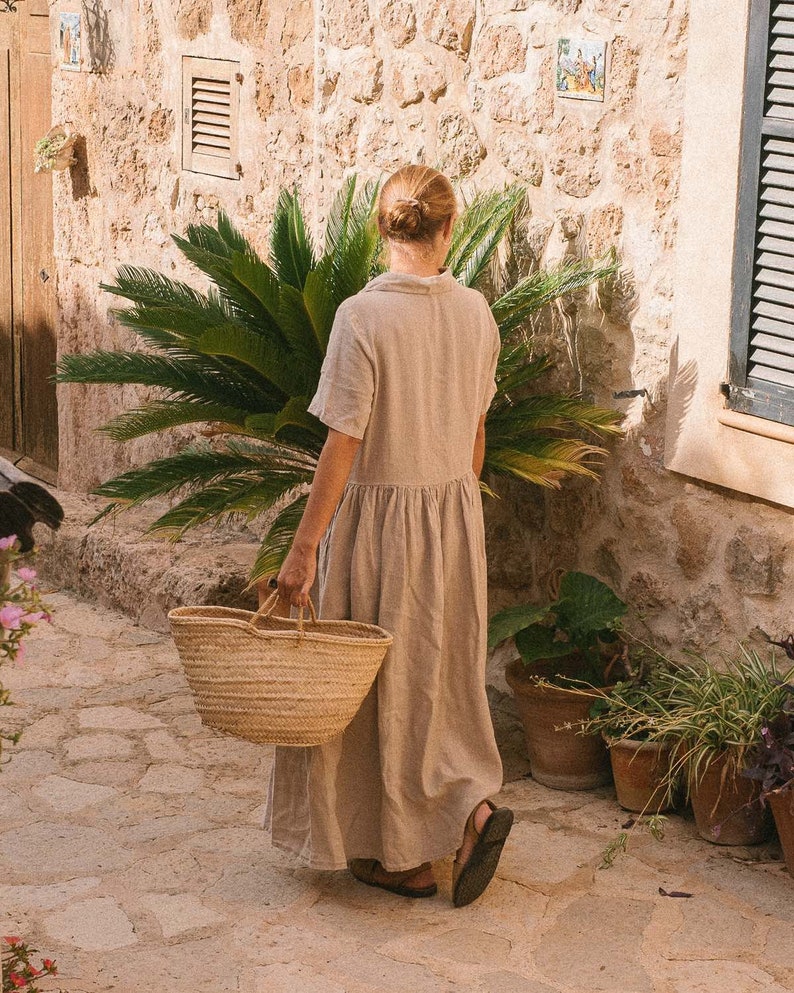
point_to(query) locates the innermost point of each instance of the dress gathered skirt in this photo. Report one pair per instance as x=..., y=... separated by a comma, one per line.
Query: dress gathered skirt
x=409, y=370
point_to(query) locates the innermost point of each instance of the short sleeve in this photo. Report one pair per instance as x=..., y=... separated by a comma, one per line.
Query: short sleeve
x=343, y=400
x=489, y=386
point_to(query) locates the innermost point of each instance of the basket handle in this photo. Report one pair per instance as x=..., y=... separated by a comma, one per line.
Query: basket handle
x=269, y=606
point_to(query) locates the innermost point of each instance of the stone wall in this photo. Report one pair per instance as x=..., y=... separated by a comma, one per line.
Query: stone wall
x=366, y=85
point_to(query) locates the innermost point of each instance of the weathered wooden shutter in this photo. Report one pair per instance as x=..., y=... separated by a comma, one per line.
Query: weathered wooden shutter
x=210, y=114
x=761, y=378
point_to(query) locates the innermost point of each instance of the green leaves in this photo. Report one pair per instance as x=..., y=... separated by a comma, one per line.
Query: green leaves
x=244, y=354
x=508, y=622
x=586, y=608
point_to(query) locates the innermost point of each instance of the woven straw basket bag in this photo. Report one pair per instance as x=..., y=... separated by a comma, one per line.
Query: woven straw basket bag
x=275, y=680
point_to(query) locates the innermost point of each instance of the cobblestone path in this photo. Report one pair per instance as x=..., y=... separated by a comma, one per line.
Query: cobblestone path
x=131, y=851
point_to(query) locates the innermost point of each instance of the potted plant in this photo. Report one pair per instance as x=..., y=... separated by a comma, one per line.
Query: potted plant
x=572, y=641
x=641, y=768
x=714, y=716
x=55, y=151
x=771, y=764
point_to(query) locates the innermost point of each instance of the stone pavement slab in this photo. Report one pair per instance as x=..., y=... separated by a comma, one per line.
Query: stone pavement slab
x=131, y=851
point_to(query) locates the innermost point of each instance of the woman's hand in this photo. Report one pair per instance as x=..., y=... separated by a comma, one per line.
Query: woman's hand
x=297, y=576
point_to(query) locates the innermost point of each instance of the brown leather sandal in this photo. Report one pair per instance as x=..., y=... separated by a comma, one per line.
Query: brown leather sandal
x=365, y=871
x=470, y=878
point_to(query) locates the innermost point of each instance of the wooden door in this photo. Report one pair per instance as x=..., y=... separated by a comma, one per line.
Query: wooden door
x=28, y=411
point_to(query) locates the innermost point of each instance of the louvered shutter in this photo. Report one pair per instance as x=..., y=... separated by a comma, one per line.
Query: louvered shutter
x=762, y=344
x=211, y=106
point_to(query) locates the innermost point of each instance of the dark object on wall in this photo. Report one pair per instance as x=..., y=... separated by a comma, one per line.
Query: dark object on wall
x=23, y=503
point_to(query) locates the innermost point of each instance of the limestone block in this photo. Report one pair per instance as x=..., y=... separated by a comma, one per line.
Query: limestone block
x=180, y=913
x=604, y=228
x=48, y=896
x=596, y=945
x=349, y=23
x=117, y=719
x=193, y=17
x=468, y=945
x=264, y=95
x=416, y=78
x=248, y=20
x=543, y=99
x=501, y=48
x=363, y=78
x=647, y=593
x=756, y=561
x=510, y=102
x=511, y=982
x=576, y=160
x=59, y=849
x=623, y=72
x=341, y=131
x=695, y=540
x=450, y=24
x=300, y=81
x=69, y=795
x=161, y=125
x=701, y=618
x=398, y=19
x=664, y=142
x=93, y=925
x=459, y=147
x=171, y=779
x=520, y=157
x=298, y=24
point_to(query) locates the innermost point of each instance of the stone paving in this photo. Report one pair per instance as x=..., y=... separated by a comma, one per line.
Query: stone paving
x=131, y=851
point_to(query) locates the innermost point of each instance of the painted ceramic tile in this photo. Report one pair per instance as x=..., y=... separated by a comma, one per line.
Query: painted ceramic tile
x=581, y=68
x=70, y=40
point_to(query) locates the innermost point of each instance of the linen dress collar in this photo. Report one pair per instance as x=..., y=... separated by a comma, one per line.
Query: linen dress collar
x=403, y=282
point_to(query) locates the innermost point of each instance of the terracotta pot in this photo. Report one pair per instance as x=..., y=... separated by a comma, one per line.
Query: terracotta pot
x=639, y=768
x=782, y=804
x=727, y=806
x=562, y=760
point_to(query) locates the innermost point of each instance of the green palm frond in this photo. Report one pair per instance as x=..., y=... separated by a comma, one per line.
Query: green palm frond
x=292, y=253
x=542, y=287
x=185, y=378
x=199, y=465
x=549, y=463
x=479, y=230
x=149, y=288
x=278, y=539
x=161, y=415
x=235, y=496
x=244, y=356
x=508, y=420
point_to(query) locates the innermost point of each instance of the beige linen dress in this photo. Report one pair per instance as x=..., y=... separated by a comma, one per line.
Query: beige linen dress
x=409, y=369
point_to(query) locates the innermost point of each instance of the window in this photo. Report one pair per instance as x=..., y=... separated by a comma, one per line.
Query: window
x=716, y=247
x=761, y=376
x=210, y=114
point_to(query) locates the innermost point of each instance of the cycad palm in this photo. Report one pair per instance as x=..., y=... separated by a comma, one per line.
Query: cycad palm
x=245, y=357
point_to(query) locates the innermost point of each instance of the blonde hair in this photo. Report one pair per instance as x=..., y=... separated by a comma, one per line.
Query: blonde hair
x=415, y=203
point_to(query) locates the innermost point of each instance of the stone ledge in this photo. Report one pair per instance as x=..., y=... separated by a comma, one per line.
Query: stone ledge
x=113, y=564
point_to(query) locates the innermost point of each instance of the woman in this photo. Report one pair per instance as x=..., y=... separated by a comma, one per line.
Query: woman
x=405, y=385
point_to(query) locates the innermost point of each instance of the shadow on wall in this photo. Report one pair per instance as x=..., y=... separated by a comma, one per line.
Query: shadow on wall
x=101, y=50
x=80, y=172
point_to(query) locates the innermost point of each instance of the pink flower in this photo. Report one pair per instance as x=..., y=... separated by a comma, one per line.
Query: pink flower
x=21, y=649
x=9, y=542
x=26, y=575
x=12, y=939
x=11, y=616
x=35, y=616
x=17, y=980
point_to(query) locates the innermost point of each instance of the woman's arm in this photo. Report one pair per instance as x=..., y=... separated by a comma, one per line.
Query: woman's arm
x=300, y=566
x=479, y=448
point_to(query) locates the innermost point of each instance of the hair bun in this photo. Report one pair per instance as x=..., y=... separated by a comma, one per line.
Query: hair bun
x=405, y=217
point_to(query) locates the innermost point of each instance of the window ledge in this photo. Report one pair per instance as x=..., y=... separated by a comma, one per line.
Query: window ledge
x=757, y=425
